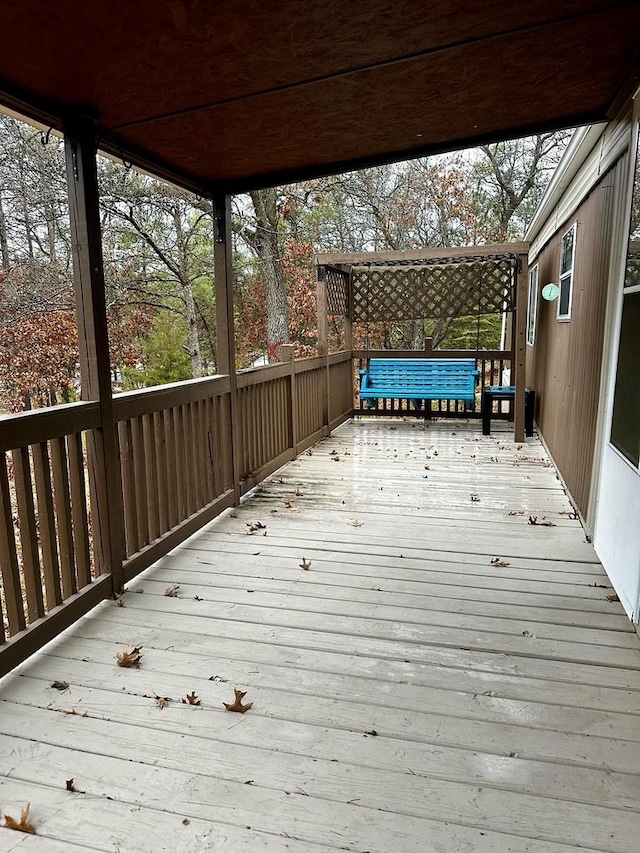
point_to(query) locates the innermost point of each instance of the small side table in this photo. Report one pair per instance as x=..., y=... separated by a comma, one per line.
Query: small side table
x=507, y=392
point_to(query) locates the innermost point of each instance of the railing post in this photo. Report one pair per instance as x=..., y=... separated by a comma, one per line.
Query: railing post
x=323, y=341
x=520, y=347
x=225, y=325
x=287, y=352
x=93, y=338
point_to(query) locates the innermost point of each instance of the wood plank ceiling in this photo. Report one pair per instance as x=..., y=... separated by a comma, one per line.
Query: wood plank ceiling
x=254, y=92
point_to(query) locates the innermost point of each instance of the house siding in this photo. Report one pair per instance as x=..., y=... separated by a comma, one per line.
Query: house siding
x=564, y=366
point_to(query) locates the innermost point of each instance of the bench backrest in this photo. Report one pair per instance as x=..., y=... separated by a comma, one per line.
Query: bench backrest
x=456, y=374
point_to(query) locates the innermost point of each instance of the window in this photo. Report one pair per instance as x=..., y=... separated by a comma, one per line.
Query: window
x=532, y=306
x=567, y=249
x=625, y=427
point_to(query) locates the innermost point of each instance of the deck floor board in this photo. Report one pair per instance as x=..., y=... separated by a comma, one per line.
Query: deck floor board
x=409, y=694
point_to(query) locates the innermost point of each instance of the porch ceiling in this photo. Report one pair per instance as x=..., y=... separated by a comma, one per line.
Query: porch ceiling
x=246, y=94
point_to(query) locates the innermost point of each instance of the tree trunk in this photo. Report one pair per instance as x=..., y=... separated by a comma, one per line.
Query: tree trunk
x=4, y=242
x=191, y=313
x=266, y=245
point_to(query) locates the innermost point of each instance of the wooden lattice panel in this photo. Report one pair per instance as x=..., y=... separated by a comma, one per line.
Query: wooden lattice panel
x=337, y=291
x=433, y=291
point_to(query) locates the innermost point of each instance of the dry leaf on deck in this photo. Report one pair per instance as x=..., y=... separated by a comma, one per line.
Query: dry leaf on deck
x=237, y=704
x=336, y=458
x=186, y=821
x=475, y=498
x=120, y=602
x=70, y=786
x=252, y=526
x=613, y=597
x=299, y=493
x=305, y=564
x=233, y=514
x=601, y=585
x=496, y=561
x=543, y=522
x=60, y=685
x=355, y=523
x=23, y=825
x=191, y=699
x=173, y=591
x=333, y=453
x=569, y=513
x=162, y=701
x=516, y=512
x=130, y=657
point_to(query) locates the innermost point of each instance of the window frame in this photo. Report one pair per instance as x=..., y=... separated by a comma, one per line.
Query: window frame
x=532, y=307
x=567, y=275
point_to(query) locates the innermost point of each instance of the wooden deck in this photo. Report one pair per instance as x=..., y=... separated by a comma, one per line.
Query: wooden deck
x=408, y=695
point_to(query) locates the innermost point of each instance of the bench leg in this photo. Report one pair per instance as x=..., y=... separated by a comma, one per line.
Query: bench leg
x=487, y=406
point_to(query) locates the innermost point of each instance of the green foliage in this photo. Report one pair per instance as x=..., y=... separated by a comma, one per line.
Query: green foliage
x=164, y=356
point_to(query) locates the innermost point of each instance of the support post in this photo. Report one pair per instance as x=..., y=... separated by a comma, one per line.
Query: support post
x=348, y=320
x=520, y=346
x=287, y=352
x=225, y=326
x=95, y=365
x=323, y=341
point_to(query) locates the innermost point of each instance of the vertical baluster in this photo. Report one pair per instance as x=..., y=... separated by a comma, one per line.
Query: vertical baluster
x=181, y=477
x=170, y=450
x=63, y=515
x=28, y=533
x=47, y=525
x=125, y=441
x=150, y=476
x=160, y=439
x=139, y=481
x=79, y=508
x=8, y=556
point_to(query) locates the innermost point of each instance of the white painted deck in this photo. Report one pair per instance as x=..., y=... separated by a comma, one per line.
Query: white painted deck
x=408, y=696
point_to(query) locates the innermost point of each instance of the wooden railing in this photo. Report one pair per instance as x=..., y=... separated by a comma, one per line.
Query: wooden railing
x=492, y=365
x=184, y=456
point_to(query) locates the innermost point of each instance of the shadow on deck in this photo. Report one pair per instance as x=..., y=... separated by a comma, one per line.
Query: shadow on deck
x=444, y=676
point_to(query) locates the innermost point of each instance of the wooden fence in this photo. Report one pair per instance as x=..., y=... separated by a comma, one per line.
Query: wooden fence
x=185, y=453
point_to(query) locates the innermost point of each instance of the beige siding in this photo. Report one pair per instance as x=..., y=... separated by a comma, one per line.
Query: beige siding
x=564, y=365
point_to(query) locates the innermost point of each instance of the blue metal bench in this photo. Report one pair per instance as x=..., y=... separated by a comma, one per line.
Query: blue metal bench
x=419, y=379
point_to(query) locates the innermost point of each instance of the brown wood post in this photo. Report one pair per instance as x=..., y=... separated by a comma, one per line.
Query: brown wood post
x=348, y=320
x=323, y=341
x=520, y=347
x=225, y=324
x=287, y=352
x=95, y=365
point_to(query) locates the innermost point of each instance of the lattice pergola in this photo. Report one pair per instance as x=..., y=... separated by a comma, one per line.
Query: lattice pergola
x=429, y=288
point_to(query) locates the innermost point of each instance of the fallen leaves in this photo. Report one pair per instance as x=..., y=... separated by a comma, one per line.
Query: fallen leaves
x=60, y=685
x=496, y=561
x=130, y=657
x=237, y=705
x=569, y=513
x=516, y=512
x=475, y=498
x=192, y=699
x=355, y=523
x=23, y=824
x=162, y=701
x=70, y=786
x=173, y=591
x=305, y=564
x=252, y=526
x=543, y=522
x=613, y=597
x=600, y=585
